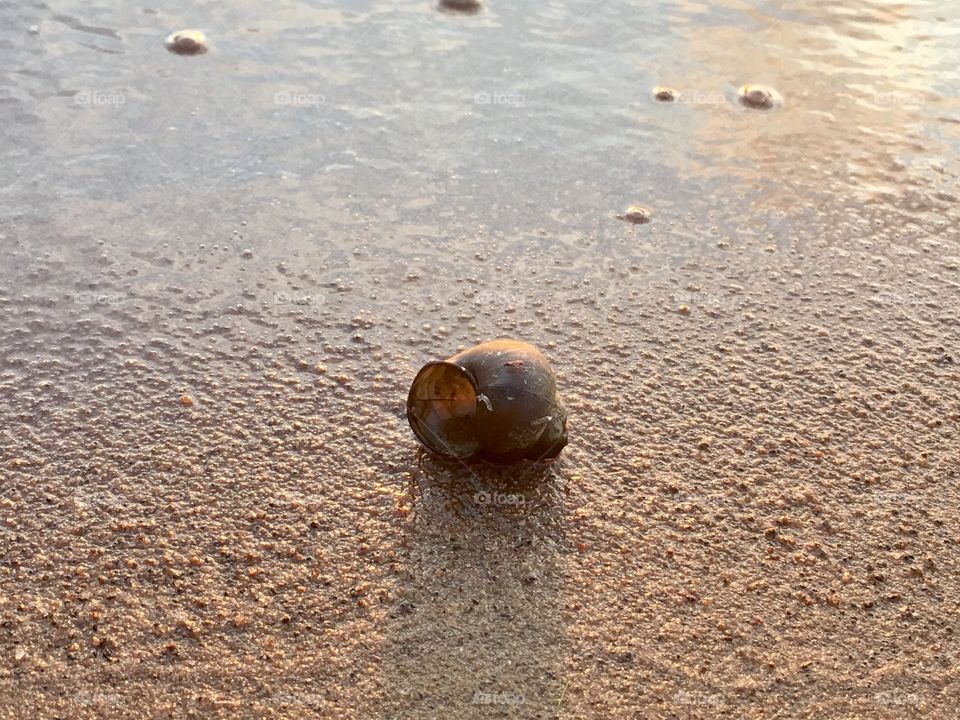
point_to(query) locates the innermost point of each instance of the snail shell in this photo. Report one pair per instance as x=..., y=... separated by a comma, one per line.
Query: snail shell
x=636, y=214
x=662, y=93
x=186, y=42
x=496, y=401
x=759, y=97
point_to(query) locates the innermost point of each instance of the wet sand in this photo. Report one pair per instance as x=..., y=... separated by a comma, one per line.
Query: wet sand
x=756, y=514
x=211, y=504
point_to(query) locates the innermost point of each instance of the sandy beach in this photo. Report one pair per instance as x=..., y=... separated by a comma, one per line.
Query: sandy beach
x=211, y=504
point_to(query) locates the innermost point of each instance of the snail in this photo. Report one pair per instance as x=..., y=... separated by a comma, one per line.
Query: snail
x=186, y=42
x=496, y=401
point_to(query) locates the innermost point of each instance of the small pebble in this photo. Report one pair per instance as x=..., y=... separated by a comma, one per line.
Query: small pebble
x=461, y=6
x=758, y=97
x=247, y=254
x=636, y=214
x=662, y=93
x=186, y=400
x=186, y=42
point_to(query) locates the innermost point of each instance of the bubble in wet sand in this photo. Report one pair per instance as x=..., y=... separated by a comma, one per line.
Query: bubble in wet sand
x=759, y=97
x=186, y=42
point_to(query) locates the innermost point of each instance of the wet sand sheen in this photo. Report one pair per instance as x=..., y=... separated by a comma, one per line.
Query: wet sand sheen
x=756, y=514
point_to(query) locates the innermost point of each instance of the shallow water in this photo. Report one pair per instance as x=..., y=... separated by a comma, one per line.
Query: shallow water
x=762, y=382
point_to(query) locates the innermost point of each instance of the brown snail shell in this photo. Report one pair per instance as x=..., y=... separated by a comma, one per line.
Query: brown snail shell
x=496, y=401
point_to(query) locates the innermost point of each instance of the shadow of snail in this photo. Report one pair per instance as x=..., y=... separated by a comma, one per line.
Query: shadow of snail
x=496, y=401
